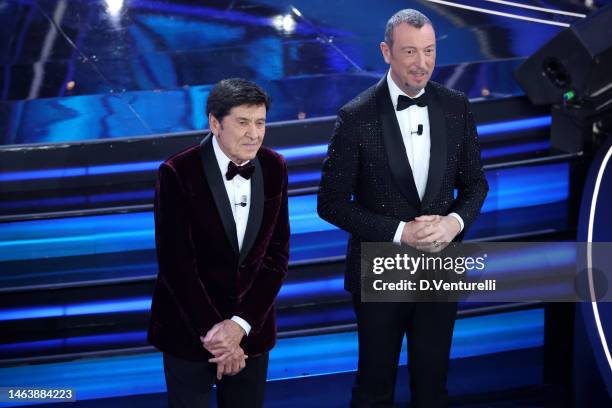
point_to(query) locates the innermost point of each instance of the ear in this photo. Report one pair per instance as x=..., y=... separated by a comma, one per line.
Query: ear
x=214, y=124
x=386, y=52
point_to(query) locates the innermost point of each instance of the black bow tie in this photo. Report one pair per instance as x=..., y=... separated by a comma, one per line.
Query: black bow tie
x=404, y=102
x=245, y=171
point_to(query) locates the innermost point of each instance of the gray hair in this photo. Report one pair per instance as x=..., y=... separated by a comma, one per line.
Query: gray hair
x=411, y=17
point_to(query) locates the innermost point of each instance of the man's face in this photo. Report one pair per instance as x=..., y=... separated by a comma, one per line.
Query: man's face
x=412, y=57
x=241, y=132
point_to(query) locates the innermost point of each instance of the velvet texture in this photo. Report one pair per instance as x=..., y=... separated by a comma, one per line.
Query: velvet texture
x=201, y=279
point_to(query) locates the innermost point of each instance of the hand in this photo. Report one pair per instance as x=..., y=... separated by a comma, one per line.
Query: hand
x=223, y=338
x=434, y=232
x=409, y=232
x=231, y=365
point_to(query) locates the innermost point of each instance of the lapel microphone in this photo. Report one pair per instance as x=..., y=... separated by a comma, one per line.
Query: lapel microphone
x=243, y=201
x=419, y=130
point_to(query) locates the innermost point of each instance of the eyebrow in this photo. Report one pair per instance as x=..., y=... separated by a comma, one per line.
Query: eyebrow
x=412, y=46
x=248, y=119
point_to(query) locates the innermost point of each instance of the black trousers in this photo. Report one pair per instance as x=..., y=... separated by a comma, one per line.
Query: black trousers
x=381, y=329
x=190, y=383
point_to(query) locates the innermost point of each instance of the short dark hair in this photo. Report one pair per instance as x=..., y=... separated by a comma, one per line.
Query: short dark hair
x=411, y=17
x=232, y=92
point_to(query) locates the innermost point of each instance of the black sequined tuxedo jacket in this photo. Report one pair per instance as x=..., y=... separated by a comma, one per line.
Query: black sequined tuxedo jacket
x=367, y=186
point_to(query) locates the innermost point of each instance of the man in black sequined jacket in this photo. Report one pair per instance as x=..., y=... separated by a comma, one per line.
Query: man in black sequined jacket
x=398, y=152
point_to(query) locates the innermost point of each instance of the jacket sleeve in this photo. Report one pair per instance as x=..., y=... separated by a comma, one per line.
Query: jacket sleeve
x=176, y=254
x=339, y=177
x=471, y=182
x=259, y=299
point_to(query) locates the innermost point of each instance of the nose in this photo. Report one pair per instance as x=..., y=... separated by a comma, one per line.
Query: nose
x=252, y=131
x=420, y=60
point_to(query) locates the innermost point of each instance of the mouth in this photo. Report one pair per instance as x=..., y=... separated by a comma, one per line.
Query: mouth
x=418, y=75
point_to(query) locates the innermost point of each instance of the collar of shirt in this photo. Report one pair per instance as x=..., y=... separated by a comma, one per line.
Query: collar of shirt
x=395, y=91
x=222, y=159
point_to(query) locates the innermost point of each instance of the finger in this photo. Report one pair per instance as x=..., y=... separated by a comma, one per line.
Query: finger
x=219, y=372
x=424, y=236
x=220, y=345
x=426, y=218
x=217, y=351
x=220, y=359
x=210, y=333
x=216, y=340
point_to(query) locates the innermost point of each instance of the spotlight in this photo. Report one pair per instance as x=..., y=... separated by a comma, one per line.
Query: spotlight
x=284, y=23
x=114, y=7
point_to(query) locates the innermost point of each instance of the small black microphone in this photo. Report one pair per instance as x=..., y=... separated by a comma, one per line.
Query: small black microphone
x=419, y=131
x=243, y=201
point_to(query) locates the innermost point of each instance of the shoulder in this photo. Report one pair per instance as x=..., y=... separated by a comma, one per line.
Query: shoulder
x=365, y=102
x=274, y=169
x=269, y=158
x=449, y=97
x=183, y=160
x=273, y=165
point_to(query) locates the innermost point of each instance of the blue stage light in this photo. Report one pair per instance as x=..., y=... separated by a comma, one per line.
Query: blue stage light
x=514, y=125
x=107, y=377
x=290, y=153
x=102, y=307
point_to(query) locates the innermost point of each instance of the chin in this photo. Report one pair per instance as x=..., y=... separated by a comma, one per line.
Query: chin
x=249, y=156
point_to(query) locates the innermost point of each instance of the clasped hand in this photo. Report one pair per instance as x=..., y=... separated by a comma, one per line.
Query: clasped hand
x=430, y=233
x=223, y=342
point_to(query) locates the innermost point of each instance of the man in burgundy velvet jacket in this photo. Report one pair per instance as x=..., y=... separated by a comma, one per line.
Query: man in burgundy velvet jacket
x=222, y=236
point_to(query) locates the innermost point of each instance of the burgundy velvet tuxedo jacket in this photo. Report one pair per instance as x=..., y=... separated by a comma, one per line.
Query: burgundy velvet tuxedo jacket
x=203, y=278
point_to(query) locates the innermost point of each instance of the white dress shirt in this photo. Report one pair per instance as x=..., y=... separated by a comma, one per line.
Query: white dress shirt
x=417, y=146
x=238, y=191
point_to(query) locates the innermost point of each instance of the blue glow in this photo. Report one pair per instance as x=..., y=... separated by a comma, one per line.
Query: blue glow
x=114, y=306
x=231, y=16
x=159, y=67
x=304, y=177
x=289, y=290
x=303, y=152
x=327, y=286
x=514, y=125
x=495, y=152
x=543, y=258
x=80, y=171
x=94, y=340
x=510, y=189
x=291, y=153
x=93, y=198
x=179, y=33
x=526, y=186
x=95, y=378
x=124, y=168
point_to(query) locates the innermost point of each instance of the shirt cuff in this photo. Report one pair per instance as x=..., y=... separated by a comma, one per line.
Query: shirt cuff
x=242, y=323
x=458, y=218
x=397, y=238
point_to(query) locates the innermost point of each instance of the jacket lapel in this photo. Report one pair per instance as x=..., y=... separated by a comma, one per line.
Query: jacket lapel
x=255, y=210
x=394, y=145
x=215, y=181
x=437, y=151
